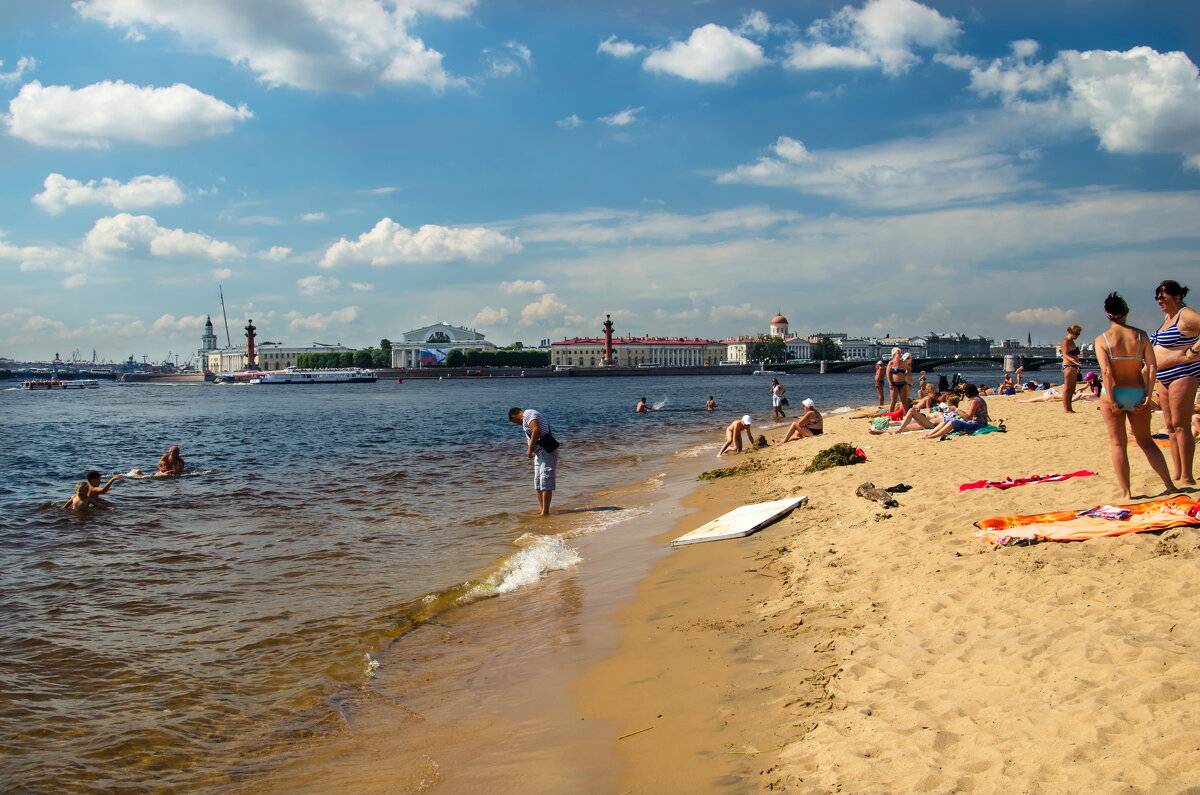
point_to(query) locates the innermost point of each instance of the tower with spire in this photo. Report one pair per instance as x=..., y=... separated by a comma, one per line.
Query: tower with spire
x=208, y=342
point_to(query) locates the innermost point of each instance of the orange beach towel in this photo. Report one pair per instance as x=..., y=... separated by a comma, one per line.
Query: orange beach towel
x=1065, y=526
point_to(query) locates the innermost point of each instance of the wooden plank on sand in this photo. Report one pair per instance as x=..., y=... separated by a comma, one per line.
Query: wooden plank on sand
x=740, y=521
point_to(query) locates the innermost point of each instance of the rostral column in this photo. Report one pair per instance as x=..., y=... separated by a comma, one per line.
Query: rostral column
x=250, y=329
x=609, y=359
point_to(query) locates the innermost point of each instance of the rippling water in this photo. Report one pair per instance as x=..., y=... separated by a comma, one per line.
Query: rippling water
x=207, y=621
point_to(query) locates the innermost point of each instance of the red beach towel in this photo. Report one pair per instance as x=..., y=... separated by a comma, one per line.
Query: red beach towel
x=1008, y=483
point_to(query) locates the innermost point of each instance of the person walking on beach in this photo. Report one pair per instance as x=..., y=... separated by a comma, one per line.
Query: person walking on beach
x=733, y=435
x=545, y=461
x=777, y=390
x=1127, y=367
x=170, y=465
x=1070, y=365
x=880, y=372
x=1177, y=353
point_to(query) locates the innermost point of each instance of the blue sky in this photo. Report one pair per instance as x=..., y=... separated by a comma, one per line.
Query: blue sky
x=352, y=169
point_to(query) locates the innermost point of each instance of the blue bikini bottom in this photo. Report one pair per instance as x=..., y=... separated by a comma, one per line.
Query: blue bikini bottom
x=1126, y=399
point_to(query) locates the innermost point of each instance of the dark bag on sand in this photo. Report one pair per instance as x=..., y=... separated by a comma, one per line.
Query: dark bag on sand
x=548, y=443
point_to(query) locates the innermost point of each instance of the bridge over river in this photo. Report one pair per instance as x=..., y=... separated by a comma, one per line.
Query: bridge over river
x=1032, y=364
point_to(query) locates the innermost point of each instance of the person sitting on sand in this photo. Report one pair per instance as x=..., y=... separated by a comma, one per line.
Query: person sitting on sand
x=83, y=500
x=970, y=418
x=733, y=435
x=914, y=420
x=1127, y=361
x=1007, y=386
x=95, y=489
x=170, y=465
x=809, y=424
x=928, y=398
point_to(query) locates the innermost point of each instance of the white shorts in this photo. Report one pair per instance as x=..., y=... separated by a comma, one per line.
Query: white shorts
x=545, y=465
x=776, y=401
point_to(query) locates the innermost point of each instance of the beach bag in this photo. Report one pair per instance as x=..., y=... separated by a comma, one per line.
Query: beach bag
x=784, y=402
x=548, y=443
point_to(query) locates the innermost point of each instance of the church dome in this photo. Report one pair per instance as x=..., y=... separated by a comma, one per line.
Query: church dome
x=779, y=320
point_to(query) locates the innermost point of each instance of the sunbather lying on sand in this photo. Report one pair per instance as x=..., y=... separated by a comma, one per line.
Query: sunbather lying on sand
x=914, y=420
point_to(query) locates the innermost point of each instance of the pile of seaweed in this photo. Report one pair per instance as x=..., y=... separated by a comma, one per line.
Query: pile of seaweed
x=840, y=455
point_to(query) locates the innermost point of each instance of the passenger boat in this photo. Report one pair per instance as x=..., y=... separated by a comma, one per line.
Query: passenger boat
x=82, y=383
x=761, y=371
x=295, y=375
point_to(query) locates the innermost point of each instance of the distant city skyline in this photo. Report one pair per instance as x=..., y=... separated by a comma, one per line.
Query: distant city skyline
x=351, y=169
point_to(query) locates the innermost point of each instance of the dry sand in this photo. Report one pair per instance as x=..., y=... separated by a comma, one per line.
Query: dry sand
x=854, y=648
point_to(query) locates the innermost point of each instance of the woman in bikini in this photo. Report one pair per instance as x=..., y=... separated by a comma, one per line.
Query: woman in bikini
x=970, y=418
x=897, y=372
x=1070, y=365
x=809, y=424
x=1177, y=353
x=1127, y=369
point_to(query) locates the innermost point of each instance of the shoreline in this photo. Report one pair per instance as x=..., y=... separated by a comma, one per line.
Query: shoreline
x=853, y=647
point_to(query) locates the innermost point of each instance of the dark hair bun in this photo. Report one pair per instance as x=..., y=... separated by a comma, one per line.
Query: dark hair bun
x=1115, y=305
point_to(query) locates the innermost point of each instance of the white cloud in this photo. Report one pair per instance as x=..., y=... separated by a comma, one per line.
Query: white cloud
x=75, y=280
x=519, y=287
x=317, y=285
x=140, y=235
x=320, y=322
x=388, y=243
x=323, y=45
x=490, y=317
x=24, y=64
x=220, y=274
x=959, y=164
x=382, y=191
x=755, y=23
x=622, y=117
x=313, y=217
x=362, y=287
x=612, y=226
x=169, y=322
x=1137, y=101
x=1041, y=316
x=881, y=33
x=570, y=122
x=618, y=48
x=712, y=54
x=544, y=310
x=138, y=193
x=735, y=312
x=40, y=258
x=515, y=58
x=96, y=115
x=277, y=253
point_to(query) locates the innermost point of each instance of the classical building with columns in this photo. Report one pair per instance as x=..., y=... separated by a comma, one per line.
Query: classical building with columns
x=630, y=351
x=430, y=344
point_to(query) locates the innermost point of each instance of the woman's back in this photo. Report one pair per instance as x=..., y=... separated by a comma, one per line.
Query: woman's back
x=1125, y=346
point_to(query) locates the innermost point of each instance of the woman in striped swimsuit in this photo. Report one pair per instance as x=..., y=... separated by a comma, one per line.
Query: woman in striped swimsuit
x=1127, y=365
x=1178, y=357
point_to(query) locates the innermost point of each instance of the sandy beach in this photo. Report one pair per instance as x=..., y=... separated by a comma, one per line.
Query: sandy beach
x=855, y=648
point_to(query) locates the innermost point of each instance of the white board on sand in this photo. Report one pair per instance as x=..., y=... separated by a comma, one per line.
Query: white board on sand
x=740, y=521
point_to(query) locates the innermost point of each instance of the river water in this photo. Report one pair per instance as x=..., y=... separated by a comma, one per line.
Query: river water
x=208, y=623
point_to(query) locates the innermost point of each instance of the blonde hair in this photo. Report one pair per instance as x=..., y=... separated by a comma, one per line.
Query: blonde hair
x=1074, y=328
x=82, y=488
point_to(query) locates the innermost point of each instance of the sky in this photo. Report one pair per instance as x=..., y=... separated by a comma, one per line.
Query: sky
x=348, y=170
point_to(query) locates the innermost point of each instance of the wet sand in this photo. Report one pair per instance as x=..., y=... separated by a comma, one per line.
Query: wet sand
x=850, y=647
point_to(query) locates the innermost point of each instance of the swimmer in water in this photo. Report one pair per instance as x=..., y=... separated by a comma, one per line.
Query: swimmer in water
x=82, y=500
x=711, y=405
x=170, y=465
x=642, y=407
x=95, y=489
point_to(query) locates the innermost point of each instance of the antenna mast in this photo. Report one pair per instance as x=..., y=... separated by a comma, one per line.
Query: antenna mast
x=228, y=342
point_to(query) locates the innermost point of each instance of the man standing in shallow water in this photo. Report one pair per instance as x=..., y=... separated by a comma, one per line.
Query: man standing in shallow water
x=545, y=462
